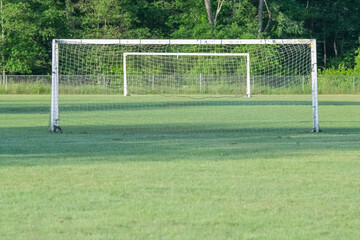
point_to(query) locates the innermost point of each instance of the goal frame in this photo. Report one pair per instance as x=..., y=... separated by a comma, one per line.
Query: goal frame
x=54, y=111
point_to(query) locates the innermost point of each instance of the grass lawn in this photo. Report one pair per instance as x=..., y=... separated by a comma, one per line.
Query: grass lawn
x=147, y=172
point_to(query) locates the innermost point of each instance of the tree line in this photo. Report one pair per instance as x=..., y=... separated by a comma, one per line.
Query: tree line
x=28, y=26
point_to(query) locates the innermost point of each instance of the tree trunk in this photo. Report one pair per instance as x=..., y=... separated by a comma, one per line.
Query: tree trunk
x=209, y=12
x=335, y=48
x=211, y=16
x=325, y=52
x=219, y=6
x=260, y=13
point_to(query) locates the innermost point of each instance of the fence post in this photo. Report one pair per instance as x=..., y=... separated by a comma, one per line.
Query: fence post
x=354, y=83
x=303, y=83
x=152, y=82
x=253, y=82
x=6, y=83
x=200, y=82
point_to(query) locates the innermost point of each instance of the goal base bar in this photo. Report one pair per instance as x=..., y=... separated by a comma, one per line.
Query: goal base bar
x=314, y=130
x=55, y=129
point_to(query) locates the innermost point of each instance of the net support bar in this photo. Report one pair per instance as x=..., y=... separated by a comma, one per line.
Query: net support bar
x=248, y=88
x=54, y=111
x=125, y=80
x=247, y=55
x=315, y=102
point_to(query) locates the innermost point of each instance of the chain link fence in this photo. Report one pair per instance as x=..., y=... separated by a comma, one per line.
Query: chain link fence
x=25, y=84
x=339, y=84
x=41, y=84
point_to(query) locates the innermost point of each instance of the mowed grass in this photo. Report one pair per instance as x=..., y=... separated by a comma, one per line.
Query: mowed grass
x=211, y=172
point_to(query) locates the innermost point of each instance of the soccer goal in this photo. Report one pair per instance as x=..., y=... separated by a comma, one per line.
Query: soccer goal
x=182, y=55
x=184, y=85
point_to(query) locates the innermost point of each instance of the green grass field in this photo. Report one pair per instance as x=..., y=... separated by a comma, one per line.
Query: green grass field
x=188, y=176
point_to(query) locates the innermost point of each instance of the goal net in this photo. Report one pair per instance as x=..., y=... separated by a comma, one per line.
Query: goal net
x=142, y=86
x=169, y=81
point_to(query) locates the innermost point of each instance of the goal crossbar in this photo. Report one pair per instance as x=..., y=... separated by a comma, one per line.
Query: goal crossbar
x=247, y=55
x=185, y=41
x=186, y=54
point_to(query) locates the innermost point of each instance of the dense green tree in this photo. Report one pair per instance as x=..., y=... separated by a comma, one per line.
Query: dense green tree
x=357, y=62
x=235, y=19
x=98, y=19
x=286, y=19
x=213, y=15
x=238, y=20
x=335, y=24
x=149, y=18
x=189, y=20
x=28, y=28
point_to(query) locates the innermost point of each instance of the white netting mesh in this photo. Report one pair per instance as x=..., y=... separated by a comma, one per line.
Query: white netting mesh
x=182, y=92
x=186, y=73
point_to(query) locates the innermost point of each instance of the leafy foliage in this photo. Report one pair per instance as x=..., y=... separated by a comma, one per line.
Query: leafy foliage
x=30, y=25
x=357, y=62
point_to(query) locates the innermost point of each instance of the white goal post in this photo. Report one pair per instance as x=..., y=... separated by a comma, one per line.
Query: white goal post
x=91, y=61
x=247, y=55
